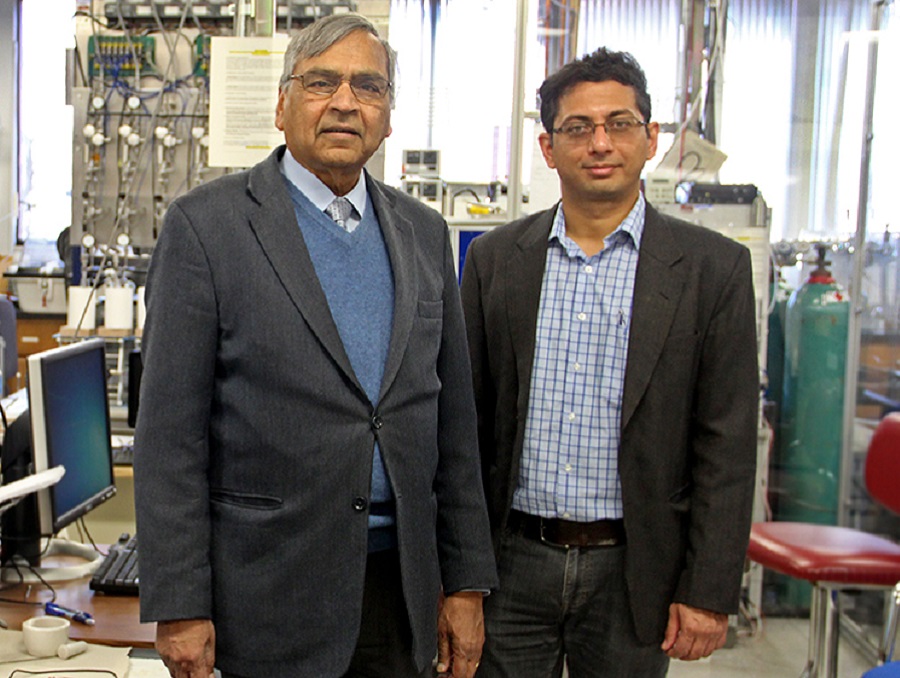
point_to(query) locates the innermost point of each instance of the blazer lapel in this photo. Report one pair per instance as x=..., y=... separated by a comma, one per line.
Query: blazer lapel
x=399, y=239
x=657, y=289
x=525, y=275
x=275, y=224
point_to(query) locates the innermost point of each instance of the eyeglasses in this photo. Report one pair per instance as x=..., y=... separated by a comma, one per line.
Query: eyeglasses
x=366, y=88
x=619, y=128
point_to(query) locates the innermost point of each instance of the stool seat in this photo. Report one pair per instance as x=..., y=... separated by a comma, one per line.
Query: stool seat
x=825, y=553
x=835, y=558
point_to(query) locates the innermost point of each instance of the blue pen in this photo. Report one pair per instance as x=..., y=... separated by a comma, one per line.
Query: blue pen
x=75, y=615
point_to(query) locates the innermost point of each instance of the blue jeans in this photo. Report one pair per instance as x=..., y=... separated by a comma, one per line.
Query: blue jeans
x=559, y=605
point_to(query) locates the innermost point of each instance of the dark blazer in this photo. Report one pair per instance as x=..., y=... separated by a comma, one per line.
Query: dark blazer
x=689, y=410
x=253, y=448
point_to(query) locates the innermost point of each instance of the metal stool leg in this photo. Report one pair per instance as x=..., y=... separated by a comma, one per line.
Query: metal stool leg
x=889, y=640
x=817, y=607
x=828, y=659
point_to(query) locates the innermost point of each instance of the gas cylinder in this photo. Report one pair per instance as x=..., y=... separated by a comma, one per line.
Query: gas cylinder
x=779, y=293
x=815, y=352
x=816, y=325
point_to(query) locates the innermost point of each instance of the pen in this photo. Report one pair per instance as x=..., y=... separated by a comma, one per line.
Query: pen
x=74, y=615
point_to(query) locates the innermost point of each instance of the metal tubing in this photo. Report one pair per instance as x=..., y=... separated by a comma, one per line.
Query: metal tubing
x=514, y=188
x=828, y=650
x=859, y=262
x=889, y=639
x=816, y=610
x=265, y=18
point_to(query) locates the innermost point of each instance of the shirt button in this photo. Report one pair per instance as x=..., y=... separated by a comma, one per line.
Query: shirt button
x=582, y=316
x=360, y=504
x=566, y=515
x=577, y=367
x=571, y=416
x=588, y=269
x=377, y=423
x=568, y=467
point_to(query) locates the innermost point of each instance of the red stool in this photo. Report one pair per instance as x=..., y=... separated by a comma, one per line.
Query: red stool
x=839, y=558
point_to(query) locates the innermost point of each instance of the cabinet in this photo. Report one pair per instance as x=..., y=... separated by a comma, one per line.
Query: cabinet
x=36, y=333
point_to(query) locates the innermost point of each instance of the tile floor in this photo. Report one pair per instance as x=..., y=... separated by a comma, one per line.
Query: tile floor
x=777, y=651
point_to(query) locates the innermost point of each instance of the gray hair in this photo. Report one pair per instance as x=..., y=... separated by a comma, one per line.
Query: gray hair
x=322, y=34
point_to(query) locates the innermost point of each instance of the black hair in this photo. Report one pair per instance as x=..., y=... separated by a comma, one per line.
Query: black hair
x=599, y=66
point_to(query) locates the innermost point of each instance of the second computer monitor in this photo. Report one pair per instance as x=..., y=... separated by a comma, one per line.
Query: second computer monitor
x=70, y=426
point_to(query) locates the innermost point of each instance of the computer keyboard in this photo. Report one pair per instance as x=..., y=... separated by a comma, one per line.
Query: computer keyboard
x=123, y=454
x=118, y=573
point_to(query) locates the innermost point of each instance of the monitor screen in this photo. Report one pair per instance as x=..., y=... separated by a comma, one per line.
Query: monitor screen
x=466, y=236
x=135, y=370
x=67, y=394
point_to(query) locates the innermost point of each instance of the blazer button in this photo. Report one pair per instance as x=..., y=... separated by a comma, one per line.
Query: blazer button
x=360, y=504
x=377, y=423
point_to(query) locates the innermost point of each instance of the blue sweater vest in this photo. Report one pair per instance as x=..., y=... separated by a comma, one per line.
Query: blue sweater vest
x=354, y=271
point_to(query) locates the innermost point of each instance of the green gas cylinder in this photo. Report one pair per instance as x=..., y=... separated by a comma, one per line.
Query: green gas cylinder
x=816, y=325
x=779, y=293
x=815, y=354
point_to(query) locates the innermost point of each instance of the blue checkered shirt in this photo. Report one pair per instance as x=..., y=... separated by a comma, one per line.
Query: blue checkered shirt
x=569, y=463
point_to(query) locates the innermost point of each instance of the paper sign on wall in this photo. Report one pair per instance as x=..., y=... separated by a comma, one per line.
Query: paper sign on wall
x=243, y=92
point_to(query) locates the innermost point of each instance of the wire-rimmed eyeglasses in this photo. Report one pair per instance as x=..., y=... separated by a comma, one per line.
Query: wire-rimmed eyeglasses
x=366, y=88
x=618, y=128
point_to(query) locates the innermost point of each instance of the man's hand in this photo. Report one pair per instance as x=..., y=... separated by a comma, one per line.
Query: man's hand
x=187, y=647
x=460, y=634
x=693, y=633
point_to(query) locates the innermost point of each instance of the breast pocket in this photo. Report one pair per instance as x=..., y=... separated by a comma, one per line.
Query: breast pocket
x=429, y=324
x=425, y=341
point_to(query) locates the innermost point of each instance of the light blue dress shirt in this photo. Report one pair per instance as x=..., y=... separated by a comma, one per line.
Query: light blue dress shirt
x=319, y=194
x=569, y=465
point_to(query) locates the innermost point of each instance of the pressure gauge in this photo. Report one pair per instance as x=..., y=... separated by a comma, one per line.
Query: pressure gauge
x=123, y=239
x=87, y=240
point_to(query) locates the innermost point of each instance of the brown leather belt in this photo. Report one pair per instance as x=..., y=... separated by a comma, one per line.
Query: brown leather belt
x=567, y=532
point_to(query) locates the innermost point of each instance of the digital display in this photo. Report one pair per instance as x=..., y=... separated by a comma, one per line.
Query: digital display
x=75, y=424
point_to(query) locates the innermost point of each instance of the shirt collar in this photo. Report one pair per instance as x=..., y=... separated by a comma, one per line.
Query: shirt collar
x=318, y=193
x=632, y=225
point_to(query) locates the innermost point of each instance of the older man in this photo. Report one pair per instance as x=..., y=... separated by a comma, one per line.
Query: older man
x=306, y=470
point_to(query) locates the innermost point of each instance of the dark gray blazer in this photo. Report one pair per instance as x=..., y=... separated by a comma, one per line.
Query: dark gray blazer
x=689, y=412
x=253, y=449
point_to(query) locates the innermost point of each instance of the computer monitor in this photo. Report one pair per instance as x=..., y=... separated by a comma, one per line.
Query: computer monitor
x=70, y=427
x=135, y=370
x=462, y=237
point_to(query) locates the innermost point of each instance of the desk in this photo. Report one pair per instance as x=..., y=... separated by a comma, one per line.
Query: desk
x=117, y=617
